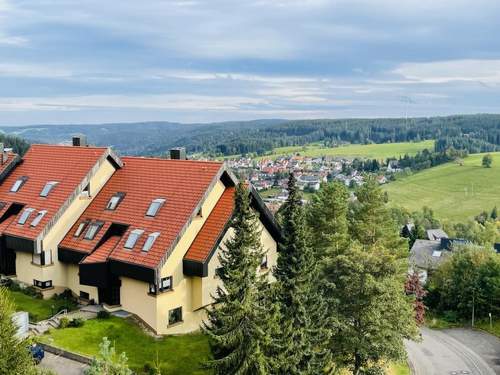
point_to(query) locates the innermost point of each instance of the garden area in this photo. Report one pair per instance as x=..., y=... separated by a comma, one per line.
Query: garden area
x=177, y=354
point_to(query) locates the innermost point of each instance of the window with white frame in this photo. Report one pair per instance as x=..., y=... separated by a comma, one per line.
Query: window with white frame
x=81, y=227
x=155, y=206
x=18, y=184
x=38, y=218
x=25, y=215
x=48, y=188
x=150, y=241
x=133, y=237
x=114, y=201
x=92, y=230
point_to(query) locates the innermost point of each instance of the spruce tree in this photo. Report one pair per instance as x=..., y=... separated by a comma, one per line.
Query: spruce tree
x=494, y=213
x=236, y=325
x=303, y=320
x=15, y=358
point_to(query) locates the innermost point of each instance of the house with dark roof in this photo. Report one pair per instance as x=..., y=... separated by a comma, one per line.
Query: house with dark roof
x=134, y=234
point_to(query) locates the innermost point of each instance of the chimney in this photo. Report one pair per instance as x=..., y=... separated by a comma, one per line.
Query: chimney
x=178, y=153
x=80, y=140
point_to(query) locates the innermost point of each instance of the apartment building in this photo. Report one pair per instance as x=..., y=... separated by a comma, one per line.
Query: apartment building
x=134, y=234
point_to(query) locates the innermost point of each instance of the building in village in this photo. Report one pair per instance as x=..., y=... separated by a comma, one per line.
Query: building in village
x=134, y=234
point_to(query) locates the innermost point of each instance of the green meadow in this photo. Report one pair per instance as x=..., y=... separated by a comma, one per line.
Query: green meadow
x=455, y=192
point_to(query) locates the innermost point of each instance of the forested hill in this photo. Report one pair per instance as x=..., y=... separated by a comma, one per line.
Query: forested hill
x=476, y=133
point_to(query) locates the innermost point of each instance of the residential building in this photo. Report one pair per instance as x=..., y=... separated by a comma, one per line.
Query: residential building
x=134, y=234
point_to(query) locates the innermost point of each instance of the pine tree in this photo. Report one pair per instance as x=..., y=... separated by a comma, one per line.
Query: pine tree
x=494, y=213
x=327, y=218
x=15, y=358
x=108, y=362
x=303, y=320
x=236, y=325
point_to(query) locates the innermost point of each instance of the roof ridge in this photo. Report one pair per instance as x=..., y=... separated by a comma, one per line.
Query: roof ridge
x=69, y=146
x=173, y=160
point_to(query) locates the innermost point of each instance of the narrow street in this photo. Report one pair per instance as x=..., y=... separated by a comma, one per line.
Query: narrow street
x=454, y=351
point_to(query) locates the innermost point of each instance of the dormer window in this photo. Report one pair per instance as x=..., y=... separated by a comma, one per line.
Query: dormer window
x=38, y=218
x=25, y=215
x=92, y=230
x=81, y=228
x=47, y=188
x=150, y=241
x=114, y=201
x=133, y=237
x=17, y=185
x=155, y=206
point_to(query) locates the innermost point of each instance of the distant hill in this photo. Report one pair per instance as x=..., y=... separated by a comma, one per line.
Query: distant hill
x=454, y=192
x=476, y=133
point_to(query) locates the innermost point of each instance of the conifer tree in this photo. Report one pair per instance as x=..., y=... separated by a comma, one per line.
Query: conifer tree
x=494, y=213
x=236, y=325
x=15, y=358
x=303, y=320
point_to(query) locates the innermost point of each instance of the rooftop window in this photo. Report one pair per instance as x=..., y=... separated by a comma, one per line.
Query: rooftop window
x=92, y=230
x=17, y=185
x=155, y=206
x=133, y=237
x=114, y=201
x=25, y=215
x=80, y=228
x=47, y=188
x=38, y=218
x=150, y=241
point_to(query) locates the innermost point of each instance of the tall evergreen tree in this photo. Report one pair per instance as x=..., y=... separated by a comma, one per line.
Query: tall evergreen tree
x=302, y=311
x=236, y=325
x=15, y=357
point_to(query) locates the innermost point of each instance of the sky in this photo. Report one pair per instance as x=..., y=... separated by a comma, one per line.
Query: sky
x=95, y=61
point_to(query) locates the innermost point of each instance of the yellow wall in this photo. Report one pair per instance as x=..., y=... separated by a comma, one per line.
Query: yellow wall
x=62, y=277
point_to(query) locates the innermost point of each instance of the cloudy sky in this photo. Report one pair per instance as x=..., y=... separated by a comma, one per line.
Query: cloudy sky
x=98, y=61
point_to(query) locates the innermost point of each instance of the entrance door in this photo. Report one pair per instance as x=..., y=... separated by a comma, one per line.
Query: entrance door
x=111, y=294
x=7, y=259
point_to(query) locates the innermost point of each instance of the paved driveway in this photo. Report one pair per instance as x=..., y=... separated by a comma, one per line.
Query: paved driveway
x=455, y=352
x=61, y=365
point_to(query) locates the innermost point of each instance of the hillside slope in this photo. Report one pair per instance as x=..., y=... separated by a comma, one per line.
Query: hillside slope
x=454, y=192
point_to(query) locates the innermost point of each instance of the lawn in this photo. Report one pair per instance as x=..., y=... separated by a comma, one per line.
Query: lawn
x=454, y=192
x=374, y=151
x=178, y=354
x=494, y=329
x=398, y=369
x=38, y=309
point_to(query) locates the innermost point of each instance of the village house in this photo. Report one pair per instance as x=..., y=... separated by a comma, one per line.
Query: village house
x=134, y=234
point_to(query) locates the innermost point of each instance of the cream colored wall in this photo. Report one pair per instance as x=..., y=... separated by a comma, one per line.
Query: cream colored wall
x=134, y=298
x=58, y=272
x=73, y=282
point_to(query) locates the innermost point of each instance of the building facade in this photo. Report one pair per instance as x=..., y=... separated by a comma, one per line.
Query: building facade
x=134, y=234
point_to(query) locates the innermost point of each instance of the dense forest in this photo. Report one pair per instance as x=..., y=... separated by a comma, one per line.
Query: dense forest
x=19, y=145
x=474, y=133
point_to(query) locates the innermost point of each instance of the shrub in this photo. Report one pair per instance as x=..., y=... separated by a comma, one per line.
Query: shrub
x=76, y=322
x=103, y=314
x=63, y=322
x=32, y=291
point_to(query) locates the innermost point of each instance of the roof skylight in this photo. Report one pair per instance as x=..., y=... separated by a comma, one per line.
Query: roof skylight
x=150, y=241
x=17, y=185
x=92, y=230
x=25, y=215
x=80, y=228
x=133, y=237
x=47, y=188
x=155, y=206
x=38, y=218
x=114, y=201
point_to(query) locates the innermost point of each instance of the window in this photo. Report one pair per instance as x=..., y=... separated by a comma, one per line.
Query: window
x=132, y=238
x=38, y=218
x=17, y=185
x=155, y=206
x=37, y=259
x=42, y=284
x=25, y=215
x=218, y=272
x=150, y=241
x=84, y=295
x=92, y=230
x=114, y=201
x=175, y=316
x=81, y=228
x=2, y=205
x=263, y=263
x=166, y=284
x=47, y=188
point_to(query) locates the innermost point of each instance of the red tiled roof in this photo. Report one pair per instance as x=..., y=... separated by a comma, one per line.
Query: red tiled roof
x=43, y=163
x=7, y=164
x=182, y=183
x=102, y=252
x=213, y=227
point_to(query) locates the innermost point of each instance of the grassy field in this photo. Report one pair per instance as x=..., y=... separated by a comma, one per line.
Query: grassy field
x=374, y=151
x=454, y=192
x=38, y=309
x=178, y=354
x=398, y=369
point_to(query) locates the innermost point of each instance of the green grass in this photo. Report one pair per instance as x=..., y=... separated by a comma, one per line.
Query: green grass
x=374, y=151
x=399, y=369
x=494, y=329
x=454, y=192
x=178, y=354
x=38, y=309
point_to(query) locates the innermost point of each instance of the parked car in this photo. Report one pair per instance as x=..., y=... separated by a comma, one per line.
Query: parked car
x=37, y=352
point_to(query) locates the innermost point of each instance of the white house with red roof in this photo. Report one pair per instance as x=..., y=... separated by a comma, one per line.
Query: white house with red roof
x=134, y=234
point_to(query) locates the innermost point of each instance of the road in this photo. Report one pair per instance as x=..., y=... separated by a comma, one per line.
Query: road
x=454, y=352
x=61, y=365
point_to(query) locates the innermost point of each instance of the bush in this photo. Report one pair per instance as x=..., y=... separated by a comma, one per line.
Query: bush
x=77, y=322
x=103, y=314
x=63, y=322
x=32, y=291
